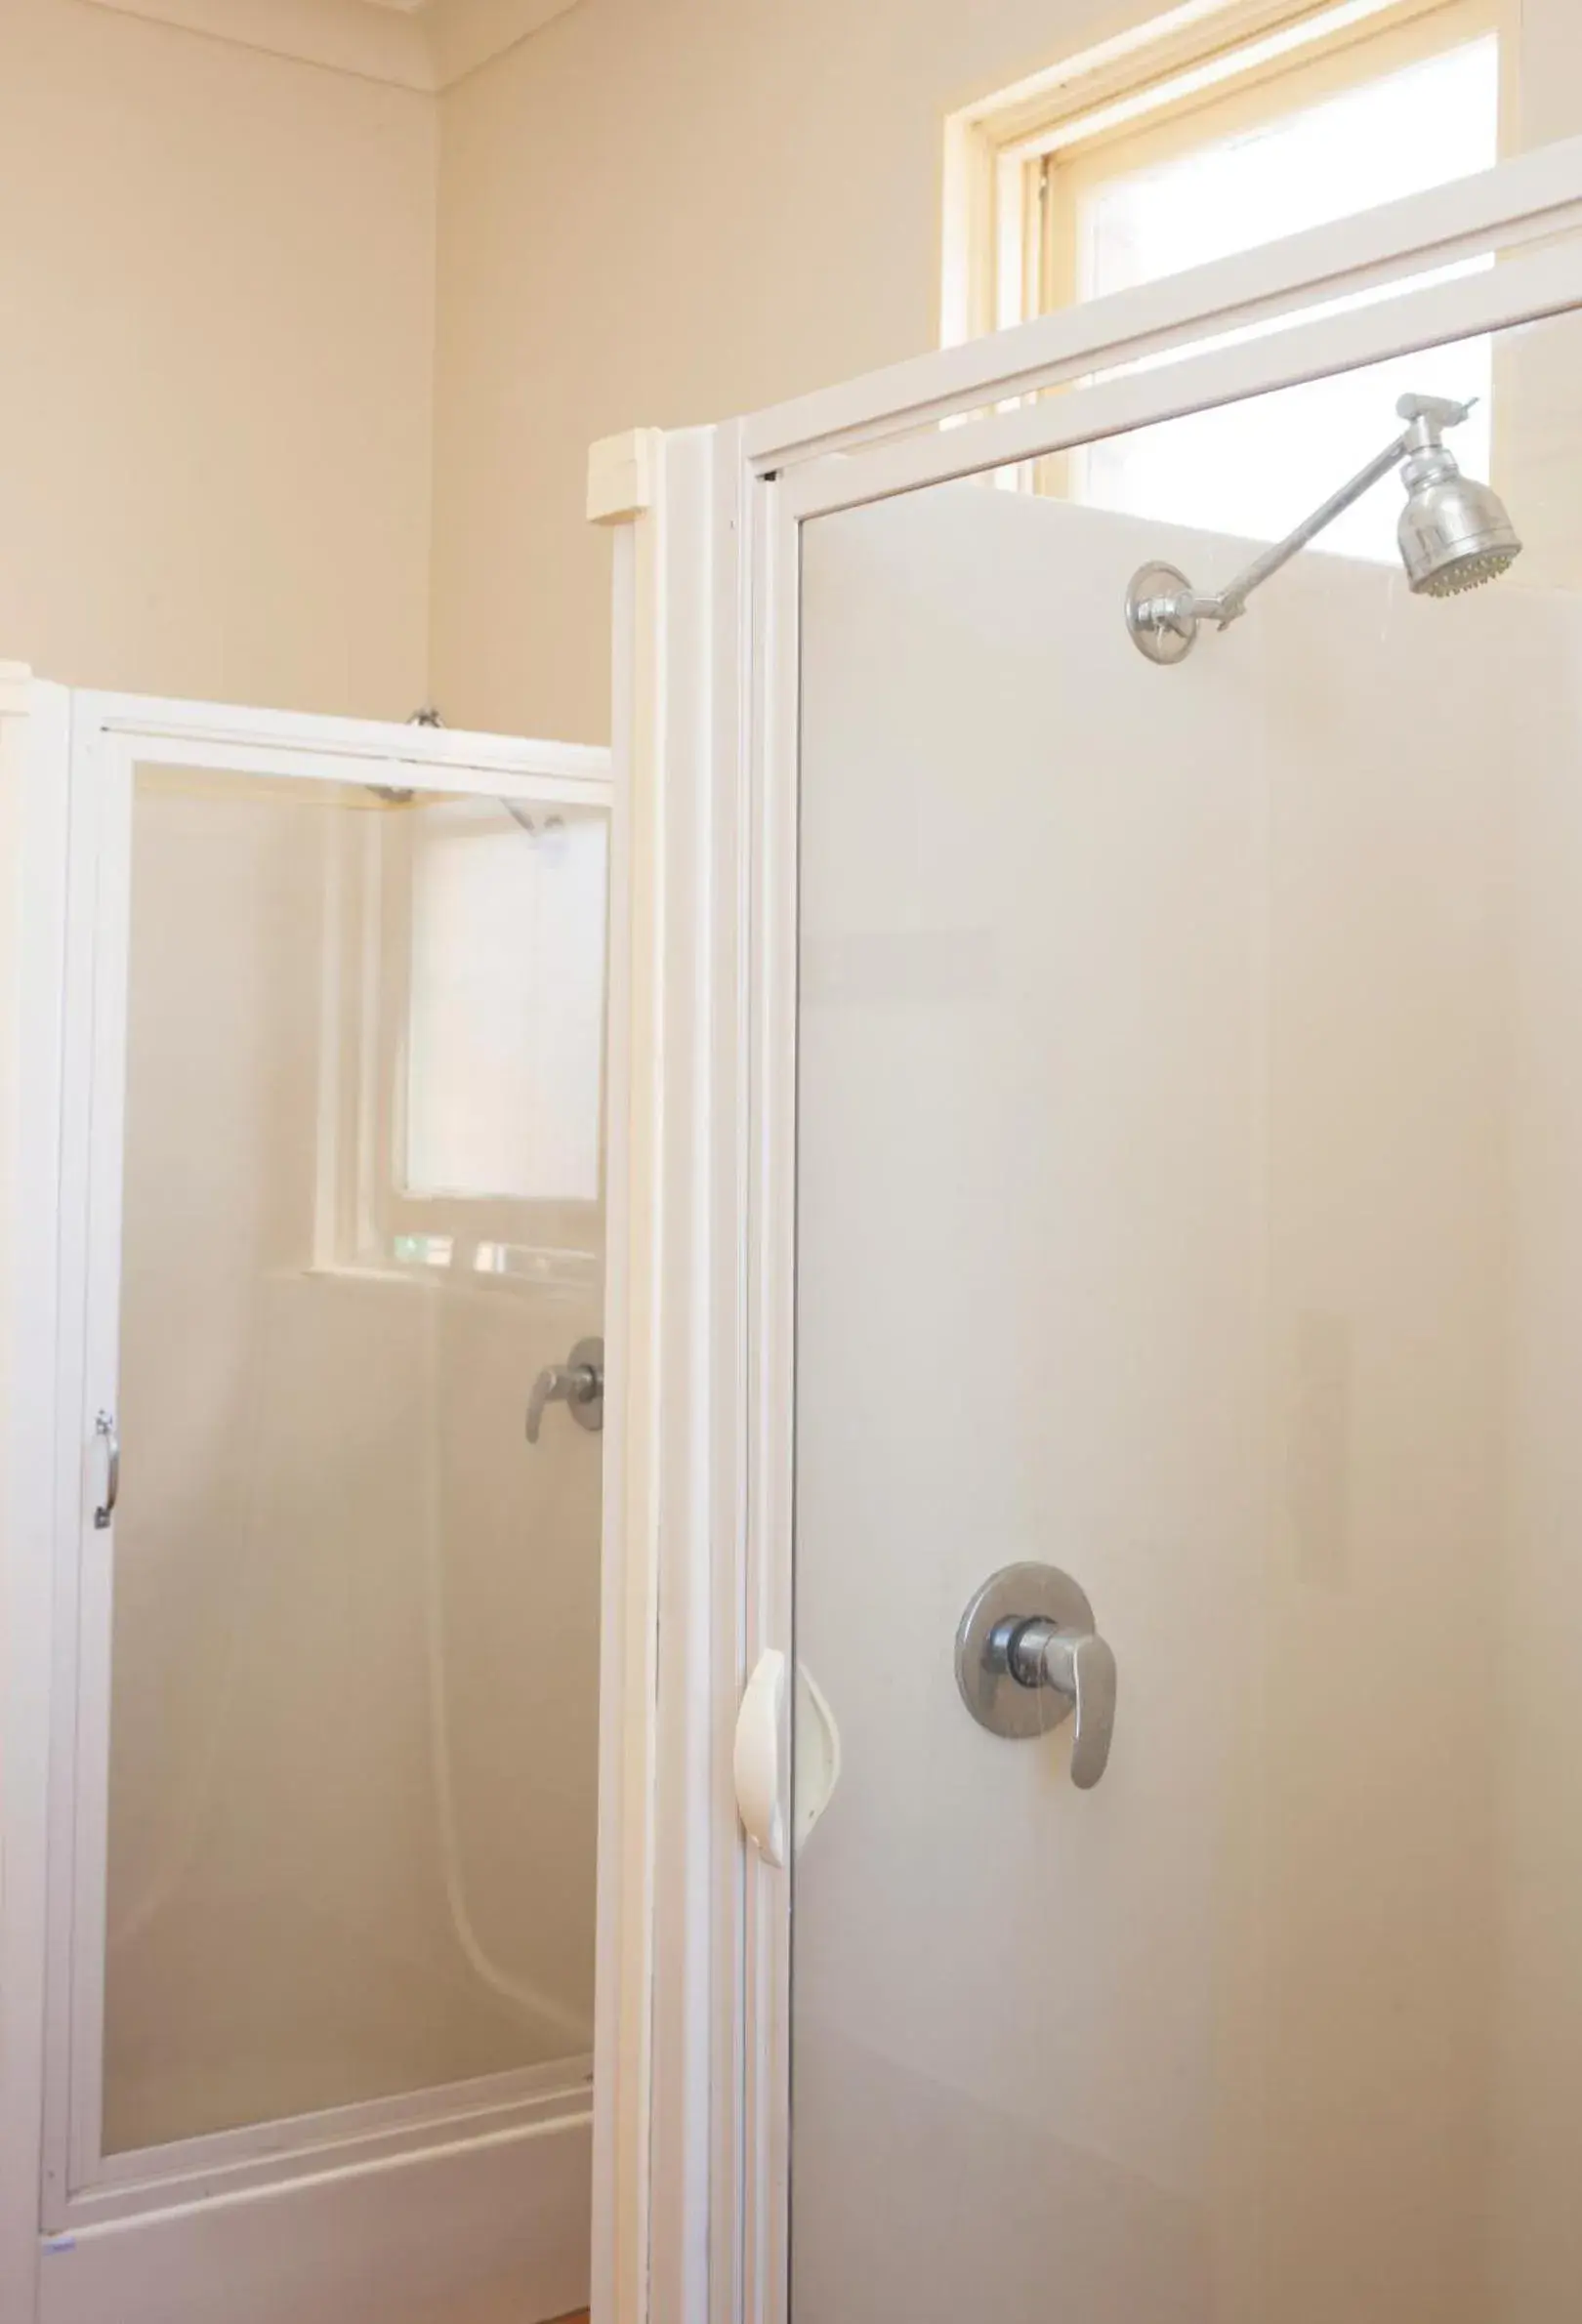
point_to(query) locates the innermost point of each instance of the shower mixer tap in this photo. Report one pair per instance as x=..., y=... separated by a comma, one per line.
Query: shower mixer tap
x=579, y=1383
x=1028, y=1654
x=1454, y=534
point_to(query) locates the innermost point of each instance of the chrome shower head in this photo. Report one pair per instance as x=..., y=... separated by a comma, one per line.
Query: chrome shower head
x=1454, y=534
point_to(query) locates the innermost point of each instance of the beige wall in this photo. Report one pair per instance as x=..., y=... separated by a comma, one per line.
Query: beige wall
x=229, y=395
x=216, y=330
x=660, y=212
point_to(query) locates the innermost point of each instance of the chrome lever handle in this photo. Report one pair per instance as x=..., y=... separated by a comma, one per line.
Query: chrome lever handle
x=1028, y=1636
x=578, y=1383
x=555, y=1385
x=1080, y=1665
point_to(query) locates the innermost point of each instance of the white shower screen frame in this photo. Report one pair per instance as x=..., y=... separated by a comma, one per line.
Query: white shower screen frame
x=69, y=765
x=708, y=555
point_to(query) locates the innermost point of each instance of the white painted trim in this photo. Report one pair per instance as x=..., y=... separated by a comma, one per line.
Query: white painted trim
x=669, y=1892
x=1154, y=44
x=988, y=141
x=1521, y=201
x=629, y=1612
x=1285, y=41
x=688, y=1517
x=622, y=471
x=421, y=45
x=730, y=852
x=684, y=1312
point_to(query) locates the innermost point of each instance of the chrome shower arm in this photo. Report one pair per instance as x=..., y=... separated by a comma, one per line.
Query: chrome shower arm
x=1162, y=608
x=1231, y=601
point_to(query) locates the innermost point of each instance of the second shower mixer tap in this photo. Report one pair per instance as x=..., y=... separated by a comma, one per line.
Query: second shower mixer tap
x=579, y=1383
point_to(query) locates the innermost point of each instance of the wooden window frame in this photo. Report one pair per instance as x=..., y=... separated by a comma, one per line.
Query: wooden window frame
x=1017, y=163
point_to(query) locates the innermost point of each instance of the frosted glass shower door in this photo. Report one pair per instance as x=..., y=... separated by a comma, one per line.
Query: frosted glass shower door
x=1154, y=1224
x=328, y=1758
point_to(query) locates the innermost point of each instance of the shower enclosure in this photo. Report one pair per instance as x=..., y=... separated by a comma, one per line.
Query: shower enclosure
x=1126, y=1314
x=315, y=1129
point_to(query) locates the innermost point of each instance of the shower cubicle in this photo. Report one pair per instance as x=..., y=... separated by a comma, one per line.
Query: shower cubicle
x=1086, y=1705
x=303, y=1555
x=1119, y=1692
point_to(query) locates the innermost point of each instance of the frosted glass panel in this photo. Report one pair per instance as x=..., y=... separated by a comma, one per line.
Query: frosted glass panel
x=1189, y=1129
x=354, y=1662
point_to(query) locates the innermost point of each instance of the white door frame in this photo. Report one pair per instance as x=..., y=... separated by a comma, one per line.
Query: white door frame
x=67, y=759
x=706, y=653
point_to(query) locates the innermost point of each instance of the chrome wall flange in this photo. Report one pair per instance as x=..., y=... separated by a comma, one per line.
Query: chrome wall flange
x=1157, y=620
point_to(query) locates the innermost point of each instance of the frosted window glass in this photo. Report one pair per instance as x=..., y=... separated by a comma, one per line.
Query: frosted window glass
x=506, y=1027
x=1256, y=469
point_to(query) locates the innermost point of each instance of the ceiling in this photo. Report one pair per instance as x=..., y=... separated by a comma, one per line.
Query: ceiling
x=416, y=44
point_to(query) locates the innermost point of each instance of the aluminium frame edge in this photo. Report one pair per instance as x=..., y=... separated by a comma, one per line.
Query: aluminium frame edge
x=63, y=745
x=1532, y=197
x=34, y=741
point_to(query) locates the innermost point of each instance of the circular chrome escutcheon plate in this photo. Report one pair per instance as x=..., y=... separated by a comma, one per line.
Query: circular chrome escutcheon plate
x=1164, y=645
x=589, y=1354
x=1016, y=1594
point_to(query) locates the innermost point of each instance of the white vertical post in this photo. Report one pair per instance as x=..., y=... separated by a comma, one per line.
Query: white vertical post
x=671, y=1660
x=622, y=492
x=34, y=748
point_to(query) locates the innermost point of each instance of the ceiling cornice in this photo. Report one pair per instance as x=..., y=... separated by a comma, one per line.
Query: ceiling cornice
x=413, y=44
x=464, y=34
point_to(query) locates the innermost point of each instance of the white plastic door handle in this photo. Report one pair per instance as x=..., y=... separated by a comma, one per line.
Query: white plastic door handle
x=759, y=1763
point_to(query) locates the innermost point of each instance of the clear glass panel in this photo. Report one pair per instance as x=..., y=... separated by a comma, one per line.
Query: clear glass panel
x=1190, y=1121
x=355, y=1653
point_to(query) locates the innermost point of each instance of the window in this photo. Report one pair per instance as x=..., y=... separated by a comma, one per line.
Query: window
x=1167, y=150
x=505, y=1005
x=461, y=1061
